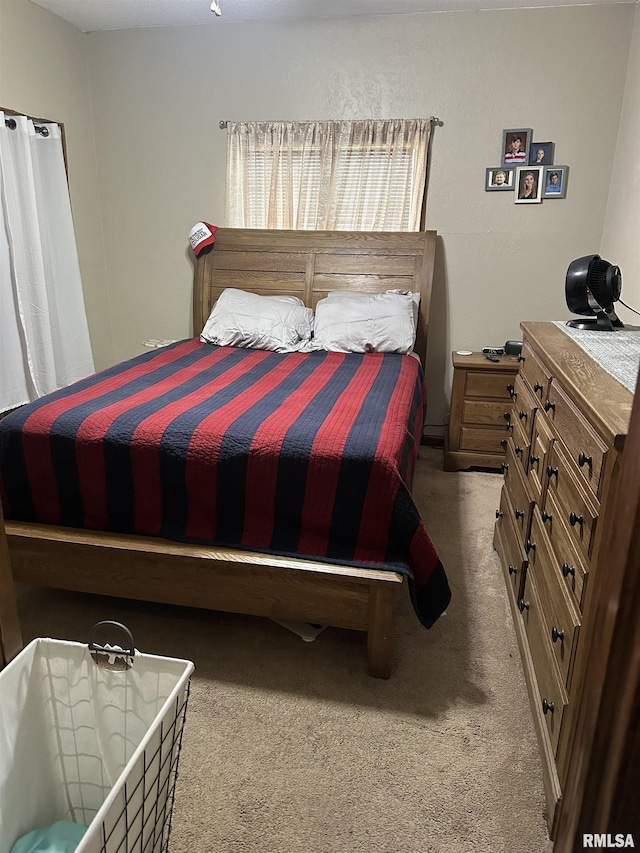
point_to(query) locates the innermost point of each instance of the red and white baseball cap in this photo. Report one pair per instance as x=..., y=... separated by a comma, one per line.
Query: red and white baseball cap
x=202, y=235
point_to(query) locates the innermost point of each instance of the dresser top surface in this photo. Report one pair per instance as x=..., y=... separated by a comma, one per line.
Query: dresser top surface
x=595, y=392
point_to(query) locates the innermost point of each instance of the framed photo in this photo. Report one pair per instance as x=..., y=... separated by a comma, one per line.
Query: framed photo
x=499, y=178
x=529, y=181
x=541, y=154
x=555, y=181
x=516, y=143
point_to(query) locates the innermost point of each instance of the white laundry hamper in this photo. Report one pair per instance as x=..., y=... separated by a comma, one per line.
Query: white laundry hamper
x=91, y=734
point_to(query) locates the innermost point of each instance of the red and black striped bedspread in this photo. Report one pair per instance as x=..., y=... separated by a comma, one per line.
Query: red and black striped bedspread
x=307, y=454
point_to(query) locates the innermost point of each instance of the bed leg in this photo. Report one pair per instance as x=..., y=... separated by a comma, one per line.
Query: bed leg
x=380, y=631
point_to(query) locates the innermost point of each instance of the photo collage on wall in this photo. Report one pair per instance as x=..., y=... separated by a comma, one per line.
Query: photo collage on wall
x=527, y=169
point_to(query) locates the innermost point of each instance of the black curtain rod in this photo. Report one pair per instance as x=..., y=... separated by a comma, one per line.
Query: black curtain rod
x=12, y=124
x=434, y=119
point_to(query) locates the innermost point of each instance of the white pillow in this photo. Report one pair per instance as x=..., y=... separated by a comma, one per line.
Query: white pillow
x=242, y=319
x=356, y=295
x=365, y=322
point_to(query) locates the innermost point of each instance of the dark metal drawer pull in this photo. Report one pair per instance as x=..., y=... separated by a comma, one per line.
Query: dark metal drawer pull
x=512, y=391
x=503, y=442
x=512, y=569
x=548, y=707
x=519, y=513
x=498, y=514
x=557, y=635
x=523, y=415
x=504, y=467
x=552, y=472
x=521, y=358
x=523, y=605
x=519, y=451
x=538, y=387
x=529, y=546
x=549, y=405
x=576, y=519
x=534, y=460
x=568, y=570
x=585, y=460
x=507, y=416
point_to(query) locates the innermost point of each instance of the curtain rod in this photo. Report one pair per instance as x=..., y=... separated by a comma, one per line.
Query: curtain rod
x=11, y=124
x=433, y=119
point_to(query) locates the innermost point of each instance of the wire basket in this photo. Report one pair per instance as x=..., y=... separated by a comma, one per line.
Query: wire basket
x=91, y=735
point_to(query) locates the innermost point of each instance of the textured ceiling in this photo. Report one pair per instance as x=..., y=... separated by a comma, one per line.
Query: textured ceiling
x=90, y=15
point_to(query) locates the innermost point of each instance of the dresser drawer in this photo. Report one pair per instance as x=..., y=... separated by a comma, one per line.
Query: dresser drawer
x=561, y=620
x=577, y=509
x=525, y=405
x=486, y=412
x=551, y=692
x=521, y=445
x=514, y=560
x=537, y=376
x=570, y=562
x=541, y=442
x=584, y=446
x=516, y=487
x=488, y=384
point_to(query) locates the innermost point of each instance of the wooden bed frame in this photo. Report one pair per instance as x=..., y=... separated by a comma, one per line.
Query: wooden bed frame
x=307, y=264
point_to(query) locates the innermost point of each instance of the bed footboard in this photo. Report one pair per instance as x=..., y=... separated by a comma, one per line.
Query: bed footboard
x=232, y=580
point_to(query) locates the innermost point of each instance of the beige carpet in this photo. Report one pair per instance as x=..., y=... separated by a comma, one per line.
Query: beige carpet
x=291, y=748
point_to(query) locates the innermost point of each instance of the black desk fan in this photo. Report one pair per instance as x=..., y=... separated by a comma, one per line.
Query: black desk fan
x=592, y=286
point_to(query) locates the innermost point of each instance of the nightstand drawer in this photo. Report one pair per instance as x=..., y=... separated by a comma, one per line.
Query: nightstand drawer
x=487, y=385
x=486, y=412
x=584, y=446
x=561, y=620
x=482, y=439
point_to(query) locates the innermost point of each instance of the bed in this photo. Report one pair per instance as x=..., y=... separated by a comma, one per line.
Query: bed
x=168, y=567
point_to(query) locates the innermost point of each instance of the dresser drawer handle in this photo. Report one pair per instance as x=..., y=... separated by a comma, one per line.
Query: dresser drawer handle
x=512, y=569
x=585, y=460
x=546, y=516
x=529, y=546
x=503, y=442
x=504, y=467
x=568, y=570
x=512, y=392
x=519, y=513
x=523, y=416
x=557, y=635
x=548, y=707
x=576, y=519
x=523, y=605
x=538, y=387
x=521, y=358
x=519, y=451
x=507, y=416
x=534, y=460
x=549, y=405
x=499, y=514
x=552, y=472
x=509, y=425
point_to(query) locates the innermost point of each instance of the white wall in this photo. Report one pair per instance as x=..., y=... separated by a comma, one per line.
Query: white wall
x=158, y=95
x=44, y=73
x=621, y=237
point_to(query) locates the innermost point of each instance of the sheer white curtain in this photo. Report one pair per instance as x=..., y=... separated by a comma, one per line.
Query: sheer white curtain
x=44, y=339
x=339, y=175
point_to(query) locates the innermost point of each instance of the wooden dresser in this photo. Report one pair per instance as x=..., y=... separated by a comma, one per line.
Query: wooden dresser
x=567, y=428
x=480, y=406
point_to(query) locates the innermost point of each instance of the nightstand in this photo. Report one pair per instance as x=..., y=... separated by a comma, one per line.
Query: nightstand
x=480, y=419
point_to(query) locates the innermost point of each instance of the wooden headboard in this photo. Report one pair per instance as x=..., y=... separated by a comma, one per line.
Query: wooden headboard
x=310, y=264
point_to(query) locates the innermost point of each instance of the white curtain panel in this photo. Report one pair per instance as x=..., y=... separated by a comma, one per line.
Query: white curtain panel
x=44, y=338
x=366, y=175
